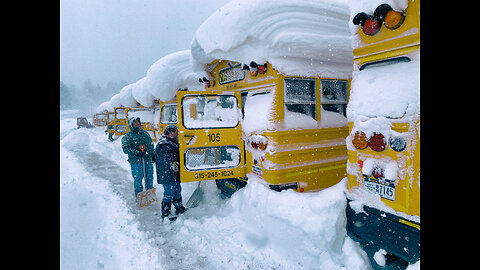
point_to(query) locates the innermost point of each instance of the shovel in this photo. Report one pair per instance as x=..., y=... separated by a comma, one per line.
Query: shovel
x=196, y=196
x=146, y=197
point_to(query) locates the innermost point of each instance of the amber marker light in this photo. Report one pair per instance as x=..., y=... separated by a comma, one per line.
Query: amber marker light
x=391, y=19
x=360, y=140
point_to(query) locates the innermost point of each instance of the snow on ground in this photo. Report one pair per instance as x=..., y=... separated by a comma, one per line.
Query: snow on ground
x=101, y=227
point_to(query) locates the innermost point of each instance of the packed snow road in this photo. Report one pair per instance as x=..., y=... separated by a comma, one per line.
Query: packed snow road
x=101, y=226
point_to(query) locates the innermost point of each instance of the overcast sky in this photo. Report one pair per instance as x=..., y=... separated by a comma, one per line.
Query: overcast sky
x=114, y=40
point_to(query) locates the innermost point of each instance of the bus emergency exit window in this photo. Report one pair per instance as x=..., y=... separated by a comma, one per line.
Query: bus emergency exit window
x=300, y=96
x=209, y=158
x=334, y=96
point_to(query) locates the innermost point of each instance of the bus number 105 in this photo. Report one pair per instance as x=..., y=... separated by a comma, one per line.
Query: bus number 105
x=214, y=137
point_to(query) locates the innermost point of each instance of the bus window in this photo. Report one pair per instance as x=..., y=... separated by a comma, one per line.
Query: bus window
x=120, y=113
x=212, y=157
x=300, y=96
x=169, y=114
x=334, y=96
x=210, y=111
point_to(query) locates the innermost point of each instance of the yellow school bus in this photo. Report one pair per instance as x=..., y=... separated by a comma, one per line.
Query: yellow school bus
x=120, y=120
x=100, y=119
x=383, y=170
x=110, y=125
x=300, y=144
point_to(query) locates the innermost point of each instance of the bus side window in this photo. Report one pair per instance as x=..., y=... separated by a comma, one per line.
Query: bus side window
x=334, y=96
x=169, y=114
x=300, y=96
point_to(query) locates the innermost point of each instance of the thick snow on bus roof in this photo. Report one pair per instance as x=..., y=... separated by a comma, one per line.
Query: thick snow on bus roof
x=170, y=73
x=304, y=38
x=141, y=94
x=163, y=79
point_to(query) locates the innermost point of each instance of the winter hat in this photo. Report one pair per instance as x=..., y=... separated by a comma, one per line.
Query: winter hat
x=170, y=128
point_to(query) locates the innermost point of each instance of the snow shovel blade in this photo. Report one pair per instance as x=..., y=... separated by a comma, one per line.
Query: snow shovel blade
x=196, y=196
x=147, y=197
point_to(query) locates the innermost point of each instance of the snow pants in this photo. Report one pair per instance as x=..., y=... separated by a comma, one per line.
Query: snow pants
x=172, y=191
x=137, y=173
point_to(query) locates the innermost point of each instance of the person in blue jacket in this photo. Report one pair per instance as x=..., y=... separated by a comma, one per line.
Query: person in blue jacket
x=132, y=144
x=168, y=171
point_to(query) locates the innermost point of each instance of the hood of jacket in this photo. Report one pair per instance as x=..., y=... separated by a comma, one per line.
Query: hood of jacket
x=130, y=123
x=164, y=139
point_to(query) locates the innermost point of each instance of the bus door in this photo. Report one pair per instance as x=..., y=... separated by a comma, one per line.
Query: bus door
x=120, y=120
x=210, y=135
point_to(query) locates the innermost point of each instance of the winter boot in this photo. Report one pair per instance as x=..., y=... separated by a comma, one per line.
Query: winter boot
x=166, y=206
x=179, y=209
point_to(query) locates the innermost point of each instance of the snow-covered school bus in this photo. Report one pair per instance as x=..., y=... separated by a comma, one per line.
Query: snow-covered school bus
x=120, y=120
x=290, y=131
x=383, y=170
x=110, y=131
x=100, y=119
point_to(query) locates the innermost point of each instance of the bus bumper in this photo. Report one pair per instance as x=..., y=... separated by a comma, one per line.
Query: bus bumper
x=375, y=229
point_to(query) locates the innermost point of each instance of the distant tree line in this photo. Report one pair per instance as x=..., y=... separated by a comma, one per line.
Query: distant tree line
x=87, y=97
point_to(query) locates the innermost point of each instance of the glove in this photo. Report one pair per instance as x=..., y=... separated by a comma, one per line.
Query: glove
x=176, y=166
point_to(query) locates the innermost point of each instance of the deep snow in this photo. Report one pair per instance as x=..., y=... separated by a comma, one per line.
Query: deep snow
x=101, y=227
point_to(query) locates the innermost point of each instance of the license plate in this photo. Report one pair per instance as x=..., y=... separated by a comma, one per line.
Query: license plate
x=257, y=170
x=384, y=191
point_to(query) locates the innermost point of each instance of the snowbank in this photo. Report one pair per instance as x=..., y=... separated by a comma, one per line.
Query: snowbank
x=96, y=229
x=304, y=38
x=286, y=230
x=170, y=73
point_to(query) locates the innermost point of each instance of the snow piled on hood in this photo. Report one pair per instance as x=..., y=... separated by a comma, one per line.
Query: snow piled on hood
x=304, y=38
